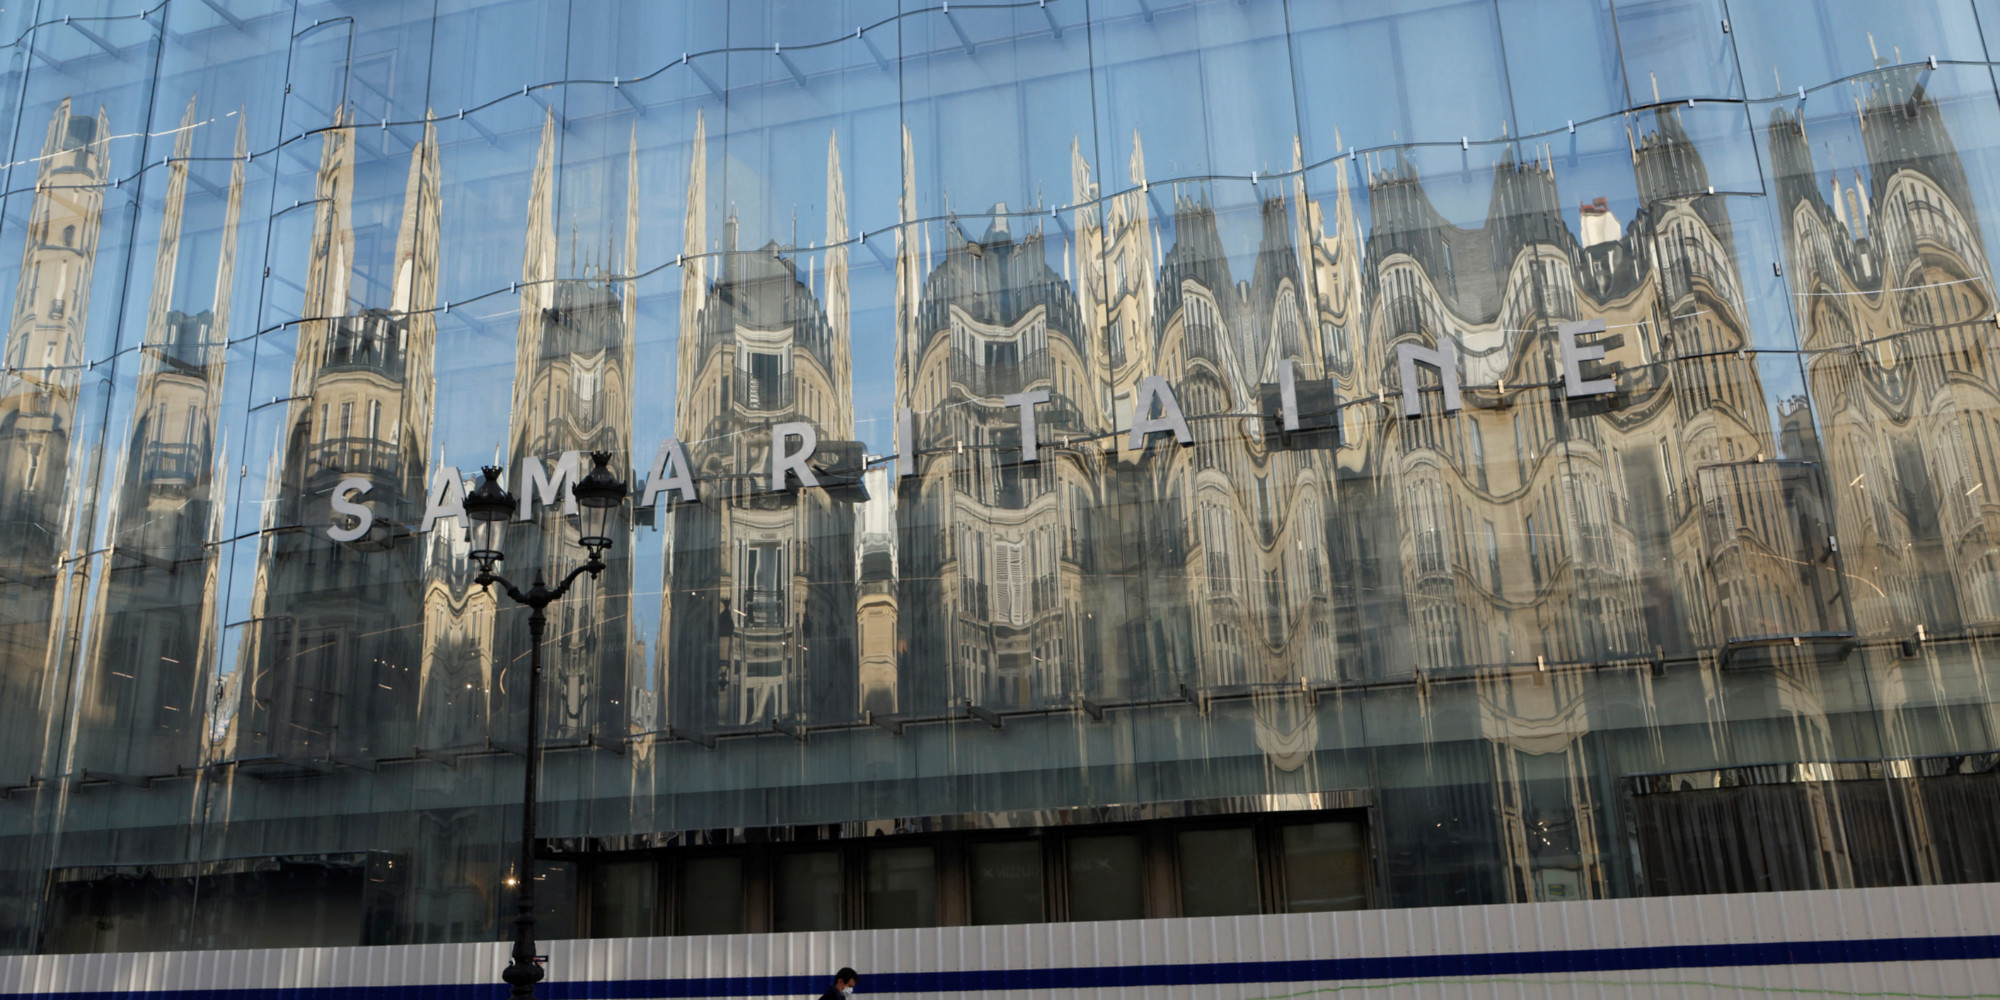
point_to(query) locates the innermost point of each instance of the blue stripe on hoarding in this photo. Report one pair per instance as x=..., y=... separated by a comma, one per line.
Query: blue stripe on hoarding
x=1500, y=963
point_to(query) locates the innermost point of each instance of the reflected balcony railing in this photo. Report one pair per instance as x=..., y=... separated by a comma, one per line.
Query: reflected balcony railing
x=164, y=465
x=981, y=379
x=762, y=393
x=355, y=456
x=368, y=342
x=763, y=608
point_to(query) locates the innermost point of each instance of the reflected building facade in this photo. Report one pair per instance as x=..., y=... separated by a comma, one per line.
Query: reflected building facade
x=1390, y=518
x=336, y=648
x=39, y=398
x=157, y=601
x=761, y=583
x=572, y=397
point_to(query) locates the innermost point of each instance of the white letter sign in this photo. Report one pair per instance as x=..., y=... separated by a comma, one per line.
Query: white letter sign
x=363, y=517
x=447, y=499
x=1153, y=389
x=1442, y=359
x=658, y=480
x=1574, y=356
x=793, y=461
x=535, y=481
x=1026, y=401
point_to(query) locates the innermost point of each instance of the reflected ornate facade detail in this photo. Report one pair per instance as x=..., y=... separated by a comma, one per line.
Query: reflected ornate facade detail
x=572, y=396
x=335, y=656
x=38, y=415
x=156, y=630
x=761, y=586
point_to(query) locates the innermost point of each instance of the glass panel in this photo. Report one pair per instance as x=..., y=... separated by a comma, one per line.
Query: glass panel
x=1106, y=878
x=1810, y=43
x=1218, y=871
x=902, y=887
x=1676, y=49
x=1326, y=867
x=1587, y=81
x=807, y=893
x=1435, y=71
x=1006, y=881
x=621, y=899
x=1693, y=482
x=709, y=898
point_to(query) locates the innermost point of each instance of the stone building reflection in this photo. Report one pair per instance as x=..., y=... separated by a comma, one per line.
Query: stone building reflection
x=153, y=646
x=572, y=396
x=335, y=648
x=1895, y=306
x=997, y=551
x=760, y=592
x=38, y=412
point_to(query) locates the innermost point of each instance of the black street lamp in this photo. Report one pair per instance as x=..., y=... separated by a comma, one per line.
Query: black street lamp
x=491, y=507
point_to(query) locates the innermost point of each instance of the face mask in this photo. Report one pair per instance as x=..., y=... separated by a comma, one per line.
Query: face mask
x=847, y=991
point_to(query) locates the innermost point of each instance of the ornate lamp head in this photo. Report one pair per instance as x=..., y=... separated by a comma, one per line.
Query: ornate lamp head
x=597, y=496
x=489, y=506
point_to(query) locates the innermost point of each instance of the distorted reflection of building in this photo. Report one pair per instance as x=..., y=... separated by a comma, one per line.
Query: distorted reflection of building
x=455, y=701
x=1895, y=308
x=572, y=396
x=153, y=642
x=336, y=645
x=38, y=409
x=996, y=550
x=1248, y=518
x=877, y=637
x=1895, y=298
x=1537, y=530
x=761, y=584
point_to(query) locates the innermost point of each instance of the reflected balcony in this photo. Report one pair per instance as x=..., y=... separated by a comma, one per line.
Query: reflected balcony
x=367, y=457
x=760, y=392
x=982, y=379
x=372, y=341
x=763, y=608
x=172, y=468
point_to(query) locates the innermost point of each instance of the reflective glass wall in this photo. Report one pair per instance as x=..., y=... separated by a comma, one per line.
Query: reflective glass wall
x=1547, y=440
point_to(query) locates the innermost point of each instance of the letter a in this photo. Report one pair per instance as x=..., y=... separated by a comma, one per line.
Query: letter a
x=447, y=498
x=1153, y=389
x=658, y=480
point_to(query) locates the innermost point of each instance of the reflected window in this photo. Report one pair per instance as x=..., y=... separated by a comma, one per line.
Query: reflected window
x=1002, y=355
x=1326, y=867
x=1493, y=557
x=1218, y=870
x=764, y=599
x=763, y=388
x=1005, y=879
x=807, y=894
x=1106, y=878
x=902, y=887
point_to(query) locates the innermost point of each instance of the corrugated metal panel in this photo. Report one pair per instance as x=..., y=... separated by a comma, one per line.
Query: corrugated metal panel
x=1921, y=942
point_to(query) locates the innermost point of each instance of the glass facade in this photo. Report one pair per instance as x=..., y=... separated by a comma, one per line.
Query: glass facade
x=1270, y=456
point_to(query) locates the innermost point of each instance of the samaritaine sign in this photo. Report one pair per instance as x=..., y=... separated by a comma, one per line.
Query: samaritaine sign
x=794, y=444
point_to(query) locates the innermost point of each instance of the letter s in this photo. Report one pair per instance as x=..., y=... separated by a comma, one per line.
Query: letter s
x=363, y=517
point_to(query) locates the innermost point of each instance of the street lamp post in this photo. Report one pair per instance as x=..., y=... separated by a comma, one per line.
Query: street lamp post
x=491, y=507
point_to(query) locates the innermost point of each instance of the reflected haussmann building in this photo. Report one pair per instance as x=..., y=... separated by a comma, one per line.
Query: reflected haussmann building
x=1318, y=508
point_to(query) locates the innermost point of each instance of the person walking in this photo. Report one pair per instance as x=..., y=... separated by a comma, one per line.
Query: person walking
x=843, y=985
